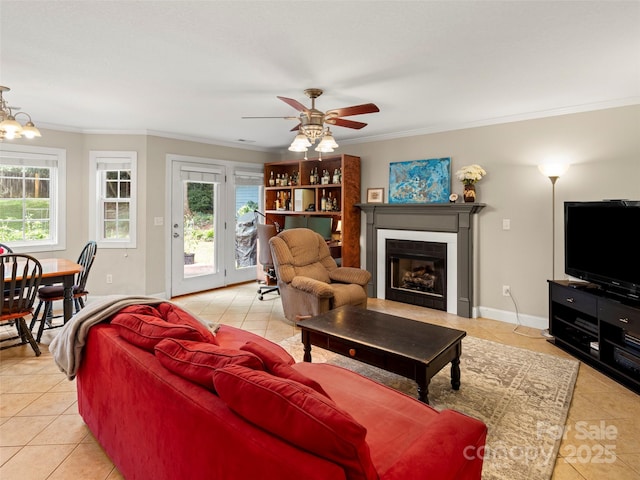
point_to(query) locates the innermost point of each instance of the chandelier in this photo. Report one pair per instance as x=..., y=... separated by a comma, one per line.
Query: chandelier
x=11, y=128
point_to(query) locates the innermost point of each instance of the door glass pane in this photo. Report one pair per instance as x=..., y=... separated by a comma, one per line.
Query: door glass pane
x=198, y=231
x=247, y=198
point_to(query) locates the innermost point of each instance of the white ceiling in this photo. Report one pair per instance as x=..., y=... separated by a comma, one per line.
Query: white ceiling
x=192, y=69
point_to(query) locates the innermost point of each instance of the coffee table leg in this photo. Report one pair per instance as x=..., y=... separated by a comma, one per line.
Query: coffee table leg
x=423, y=390
x=455, y=373
x=307, y=346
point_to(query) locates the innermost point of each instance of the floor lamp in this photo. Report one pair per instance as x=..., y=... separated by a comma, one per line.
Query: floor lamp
x=553, y=171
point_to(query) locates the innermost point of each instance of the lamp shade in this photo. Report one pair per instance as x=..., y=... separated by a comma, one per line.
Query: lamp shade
x=553, y=169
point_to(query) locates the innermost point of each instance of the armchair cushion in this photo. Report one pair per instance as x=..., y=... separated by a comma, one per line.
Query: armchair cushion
x=316, y=287
x=350, y=275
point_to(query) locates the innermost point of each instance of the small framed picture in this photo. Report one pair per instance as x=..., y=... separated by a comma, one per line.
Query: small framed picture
x=375, y=195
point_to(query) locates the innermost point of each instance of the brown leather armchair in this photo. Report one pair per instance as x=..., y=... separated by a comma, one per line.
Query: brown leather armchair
x=309, y=279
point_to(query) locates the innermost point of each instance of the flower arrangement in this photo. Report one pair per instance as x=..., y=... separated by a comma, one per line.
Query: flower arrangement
x=470, y=174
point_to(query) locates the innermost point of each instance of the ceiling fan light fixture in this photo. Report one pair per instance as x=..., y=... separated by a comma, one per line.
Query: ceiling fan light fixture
x=329, y=140
x=301, y=141
x=327, y=144
x=312, y=132
x=297, y=148
x=324, y=149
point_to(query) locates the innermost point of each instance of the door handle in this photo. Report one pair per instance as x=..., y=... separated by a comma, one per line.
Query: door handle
x=176, y=234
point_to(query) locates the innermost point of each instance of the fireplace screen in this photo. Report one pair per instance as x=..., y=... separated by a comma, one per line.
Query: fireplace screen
x=417, y=273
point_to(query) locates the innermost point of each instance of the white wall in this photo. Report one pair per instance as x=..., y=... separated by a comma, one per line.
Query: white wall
x=604, y=150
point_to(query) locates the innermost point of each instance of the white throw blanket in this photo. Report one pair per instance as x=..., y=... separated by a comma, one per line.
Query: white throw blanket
x=67, y=346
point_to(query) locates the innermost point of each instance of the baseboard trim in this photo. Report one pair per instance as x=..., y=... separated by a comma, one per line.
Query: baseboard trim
x=510, y=317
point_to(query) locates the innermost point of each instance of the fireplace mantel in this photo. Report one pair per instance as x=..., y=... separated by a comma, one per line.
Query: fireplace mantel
x=437, y=217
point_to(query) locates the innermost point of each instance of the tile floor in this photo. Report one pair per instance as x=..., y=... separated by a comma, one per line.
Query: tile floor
x=43, y=437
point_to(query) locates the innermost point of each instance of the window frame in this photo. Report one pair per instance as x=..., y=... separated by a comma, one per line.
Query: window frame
x=43, y=157
x=99, y=161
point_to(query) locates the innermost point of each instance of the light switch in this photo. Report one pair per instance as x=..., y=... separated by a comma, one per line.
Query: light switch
x=506, y=224
x=158, y=221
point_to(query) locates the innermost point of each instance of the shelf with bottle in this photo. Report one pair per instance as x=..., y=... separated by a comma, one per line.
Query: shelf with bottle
x=287, y=178
x=278, y=200
x=330, y=200
x=321, y=172
x=336, y=178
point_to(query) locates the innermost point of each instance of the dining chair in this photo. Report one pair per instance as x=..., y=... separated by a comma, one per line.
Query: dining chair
x=4, y=249
x=21, y=276
x=51, y=293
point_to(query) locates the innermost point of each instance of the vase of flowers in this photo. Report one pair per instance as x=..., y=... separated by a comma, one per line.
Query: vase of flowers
x=469, y=176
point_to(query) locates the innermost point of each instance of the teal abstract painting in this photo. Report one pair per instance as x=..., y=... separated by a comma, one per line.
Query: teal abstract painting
x=420, y=181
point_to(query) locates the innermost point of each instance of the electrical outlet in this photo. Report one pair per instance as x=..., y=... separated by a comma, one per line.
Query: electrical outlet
x=506, y=290
x=109, y=278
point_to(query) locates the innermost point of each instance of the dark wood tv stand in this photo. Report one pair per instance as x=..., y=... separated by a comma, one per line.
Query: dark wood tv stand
x=601, y=329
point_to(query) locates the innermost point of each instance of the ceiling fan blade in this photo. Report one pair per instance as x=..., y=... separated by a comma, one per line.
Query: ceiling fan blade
x=355, y=110
x=297, y=127
x=294, y=103
x=341, y=122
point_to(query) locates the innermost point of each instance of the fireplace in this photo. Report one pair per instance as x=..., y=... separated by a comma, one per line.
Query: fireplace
x=451, y=224
x=417, y=273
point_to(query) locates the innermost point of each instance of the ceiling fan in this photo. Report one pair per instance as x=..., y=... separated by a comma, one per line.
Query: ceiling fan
x=312, y=121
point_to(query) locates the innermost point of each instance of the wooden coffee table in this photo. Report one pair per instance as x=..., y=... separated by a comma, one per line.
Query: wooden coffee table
x=413, y=349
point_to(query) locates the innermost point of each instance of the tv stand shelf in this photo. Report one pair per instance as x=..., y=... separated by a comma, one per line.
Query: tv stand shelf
x=601, y=329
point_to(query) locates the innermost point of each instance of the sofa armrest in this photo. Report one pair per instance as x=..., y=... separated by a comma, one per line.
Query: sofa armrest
x=350, y=275
x=452, y=436
x=313, y=286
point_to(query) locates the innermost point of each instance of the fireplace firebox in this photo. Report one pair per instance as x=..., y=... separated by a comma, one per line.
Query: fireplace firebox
x=417, y=273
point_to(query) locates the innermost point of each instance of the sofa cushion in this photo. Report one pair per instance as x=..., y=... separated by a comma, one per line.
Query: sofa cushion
x=196, y=361
x=299, y=415
x=276, y=366
x=174, y=314
x=145, y=331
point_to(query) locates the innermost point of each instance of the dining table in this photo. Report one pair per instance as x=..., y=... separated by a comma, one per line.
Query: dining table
x=60, y=271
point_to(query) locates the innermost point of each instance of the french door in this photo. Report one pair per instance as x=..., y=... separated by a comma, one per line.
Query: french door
x=212, y=232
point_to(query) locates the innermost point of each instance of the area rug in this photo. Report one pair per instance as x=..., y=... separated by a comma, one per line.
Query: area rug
x=520, y=395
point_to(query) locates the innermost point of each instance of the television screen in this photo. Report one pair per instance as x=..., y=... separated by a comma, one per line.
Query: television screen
x=602, y=245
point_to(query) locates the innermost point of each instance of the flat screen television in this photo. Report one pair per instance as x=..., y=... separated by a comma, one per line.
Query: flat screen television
x=602, y=245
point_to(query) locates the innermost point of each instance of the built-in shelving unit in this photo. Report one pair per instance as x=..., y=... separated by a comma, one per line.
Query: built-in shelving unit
x=292, y=190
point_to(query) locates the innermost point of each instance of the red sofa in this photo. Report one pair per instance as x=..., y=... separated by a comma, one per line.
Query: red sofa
x=314, y=421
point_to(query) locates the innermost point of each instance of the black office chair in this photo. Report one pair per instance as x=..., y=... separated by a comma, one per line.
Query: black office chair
x=21, y=276
x=265, y=232
x=51, y=293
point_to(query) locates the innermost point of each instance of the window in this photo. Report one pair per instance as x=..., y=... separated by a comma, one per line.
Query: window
x=113, y=222
x=32, y=197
